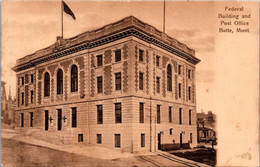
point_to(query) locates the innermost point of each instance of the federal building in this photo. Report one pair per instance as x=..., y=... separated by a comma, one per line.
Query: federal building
x=125, y=86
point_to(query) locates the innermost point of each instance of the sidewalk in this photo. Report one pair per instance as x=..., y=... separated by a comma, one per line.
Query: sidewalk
x=79, y=148
x=159, y=158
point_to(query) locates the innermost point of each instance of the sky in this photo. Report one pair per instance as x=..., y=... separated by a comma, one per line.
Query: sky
x=227, y=78
x=28, y=26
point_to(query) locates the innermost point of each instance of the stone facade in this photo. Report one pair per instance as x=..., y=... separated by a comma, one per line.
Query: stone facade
x=128, y=36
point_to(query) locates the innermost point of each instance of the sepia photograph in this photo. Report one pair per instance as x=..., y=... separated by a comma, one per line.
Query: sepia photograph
x=129, y=83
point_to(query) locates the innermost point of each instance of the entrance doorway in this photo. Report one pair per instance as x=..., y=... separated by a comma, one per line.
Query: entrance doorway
x=159, y=141
x=59, y=119
x=181, y=140
x=46, y=120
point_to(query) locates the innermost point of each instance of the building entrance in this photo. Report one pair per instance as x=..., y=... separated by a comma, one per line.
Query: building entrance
x=46, y=120
x=59, y=119
x=159, y=141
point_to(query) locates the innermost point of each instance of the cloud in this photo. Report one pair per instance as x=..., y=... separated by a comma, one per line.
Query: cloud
x=194, y=38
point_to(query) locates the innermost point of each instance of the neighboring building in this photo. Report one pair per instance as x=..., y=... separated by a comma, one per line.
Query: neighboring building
x=206, y=124
x=126, y=86
x=7, y=106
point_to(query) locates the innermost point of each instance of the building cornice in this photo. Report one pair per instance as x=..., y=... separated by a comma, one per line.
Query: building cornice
x=129, y=26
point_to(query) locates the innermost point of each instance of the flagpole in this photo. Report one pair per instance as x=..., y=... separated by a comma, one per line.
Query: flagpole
x=164, y=16
x=61, y=19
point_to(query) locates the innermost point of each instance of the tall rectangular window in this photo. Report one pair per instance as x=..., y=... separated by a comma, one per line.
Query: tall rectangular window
x=171, y=131
x=31, y=78
x=74, y=117
x=141, y=55
x=118, y=55
x=189, y=93
x=180, y=90
x=179, y=69
x=189, y=73
x=158, y=114
x=22, y=120
x=157, y=61
x=141, y=112
x=117, y=140
x=99, y=138
x=22, y=80
x=22, y=98
x=142, y=140
x=180, y=116
x=189, y=117
x=31, y=96
x=158, y=84
x=141, y=81
x=99, y=114
x=118, y=113
x=170, y=114
x=118, y=81
x=99, y=84
x=99, y=60
x=31, y=119
x=190, y=137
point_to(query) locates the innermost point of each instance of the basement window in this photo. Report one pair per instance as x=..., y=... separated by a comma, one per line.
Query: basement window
x=80, y=137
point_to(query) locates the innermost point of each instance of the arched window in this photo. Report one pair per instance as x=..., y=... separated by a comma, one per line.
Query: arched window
x=169, y=77
x=59, y=82
x=46, y=84
x=74, y=78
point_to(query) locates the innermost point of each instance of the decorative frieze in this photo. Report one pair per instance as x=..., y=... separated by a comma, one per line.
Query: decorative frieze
x=80, y=61
x=26, y=95
x=82, y=83
x=108, y=80
x=163, y=83
x=39, y=92
x=108, y=56
x=125, y=76
x=147, y=71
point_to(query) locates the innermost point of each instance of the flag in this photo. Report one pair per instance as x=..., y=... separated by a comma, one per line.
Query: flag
x=67, y=10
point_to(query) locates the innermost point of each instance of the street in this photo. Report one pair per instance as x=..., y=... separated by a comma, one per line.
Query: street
x=20, y=150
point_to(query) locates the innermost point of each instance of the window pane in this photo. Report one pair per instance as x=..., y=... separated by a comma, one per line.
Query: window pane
x=180, y=116
x=99, y=84
x=189, y=117
x=117, y=140
x=158, y=84
x=74, y=117
x=100, y=114
x=46, y=84
x=31, y=78
x=157, y=61
x=31, y=119
x=141, y=55
x=22, y=120
x=117, y=55
x=189, y=93
x=158, y=114
x=142, y=140
x=118, y=81
x=169, y=78
x=141, y=114
x=60, y=82
x=170, y=114
x=180, y=90
x=141, y=80
x=118, y=113
x=74, y=78
x=31, y=96
x=99, y=139
x=99, y=60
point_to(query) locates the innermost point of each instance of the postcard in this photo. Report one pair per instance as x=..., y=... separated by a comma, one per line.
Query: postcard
x=129, y=83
